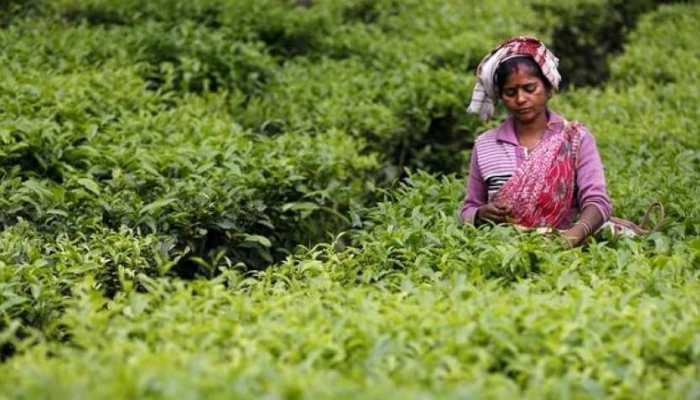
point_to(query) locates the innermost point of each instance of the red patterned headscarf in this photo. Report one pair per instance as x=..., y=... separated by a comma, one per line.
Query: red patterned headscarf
x=541, y=190
x=485, y=97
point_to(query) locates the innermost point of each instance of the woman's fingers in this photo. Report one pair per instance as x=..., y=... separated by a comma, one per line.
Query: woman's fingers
x=500, y=211
x=492, y=213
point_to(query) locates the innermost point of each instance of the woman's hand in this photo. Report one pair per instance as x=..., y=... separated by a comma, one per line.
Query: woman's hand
x=493, y=213
x=574, y=236
x=591, y=219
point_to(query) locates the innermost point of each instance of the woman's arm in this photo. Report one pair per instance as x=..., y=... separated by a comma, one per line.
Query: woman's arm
x=590, y=178
x=591, y=219
x=477, y=194
x=592, y=195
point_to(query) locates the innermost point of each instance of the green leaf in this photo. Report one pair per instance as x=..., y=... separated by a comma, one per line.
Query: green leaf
x=156, y=206
x=261, y=240
x=90, y=185
x=304, y=206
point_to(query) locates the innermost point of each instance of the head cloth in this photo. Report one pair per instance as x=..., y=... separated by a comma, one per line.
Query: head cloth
x=485, y=95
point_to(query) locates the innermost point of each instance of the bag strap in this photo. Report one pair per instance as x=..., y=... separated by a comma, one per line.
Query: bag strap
x=619, y=224
x=646, y=218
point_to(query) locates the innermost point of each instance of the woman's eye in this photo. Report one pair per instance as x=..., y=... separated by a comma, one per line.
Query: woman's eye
x=509, y=92
x=530, y=88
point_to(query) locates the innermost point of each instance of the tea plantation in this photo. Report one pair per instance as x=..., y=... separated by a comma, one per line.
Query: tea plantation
x=258, y=199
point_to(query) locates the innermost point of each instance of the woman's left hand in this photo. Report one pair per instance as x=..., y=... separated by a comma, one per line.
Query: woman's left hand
x=573, y=237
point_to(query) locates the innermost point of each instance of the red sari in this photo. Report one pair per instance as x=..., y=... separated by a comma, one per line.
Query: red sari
x=541, y=191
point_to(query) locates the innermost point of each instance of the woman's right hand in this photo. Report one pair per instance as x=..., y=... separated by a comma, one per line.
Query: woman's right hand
x=493, y=213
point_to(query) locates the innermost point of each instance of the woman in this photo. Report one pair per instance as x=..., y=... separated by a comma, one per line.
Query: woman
x=536, y=169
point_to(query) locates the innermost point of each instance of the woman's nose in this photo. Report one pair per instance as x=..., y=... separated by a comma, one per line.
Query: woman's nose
x=520, y=97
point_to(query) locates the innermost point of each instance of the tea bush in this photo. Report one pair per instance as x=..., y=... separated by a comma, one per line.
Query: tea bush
x=182, y=171
x=646, y=123
x=377, y=47
x=84, y=150
x=587, y=34
x=199, y=200
x=647, y=60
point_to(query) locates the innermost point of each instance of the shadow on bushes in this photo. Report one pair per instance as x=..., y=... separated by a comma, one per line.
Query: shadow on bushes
x=584, y=37
x=10, y=9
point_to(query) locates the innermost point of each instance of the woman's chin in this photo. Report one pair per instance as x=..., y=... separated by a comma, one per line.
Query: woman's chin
x=526, y=117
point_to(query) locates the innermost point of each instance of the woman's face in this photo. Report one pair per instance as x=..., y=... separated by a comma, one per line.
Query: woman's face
x=525, y=95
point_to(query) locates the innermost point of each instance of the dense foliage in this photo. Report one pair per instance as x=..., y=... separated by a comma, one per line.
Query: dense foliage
x=201, y=199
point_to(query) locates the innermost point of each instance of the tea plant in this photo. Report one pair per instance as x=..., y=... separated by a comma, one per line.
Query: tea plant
x=199, y=199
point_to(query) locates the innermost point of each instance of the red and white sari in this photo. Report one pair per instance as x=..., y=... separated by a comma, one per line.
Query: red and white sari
x=541, y=191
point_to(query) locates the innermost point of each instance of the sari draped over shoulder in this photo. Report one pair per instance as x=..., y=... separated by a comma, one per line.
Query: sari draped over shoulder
x=541, y=190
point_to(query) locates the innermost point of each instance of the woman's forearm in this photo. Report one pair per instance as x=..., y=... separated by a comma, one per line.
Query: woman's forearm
x=587, y=224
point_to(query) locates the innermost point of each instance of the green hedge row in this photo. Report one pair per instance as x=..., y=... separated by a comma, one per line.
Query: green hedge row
x=186, y=120
x=117, y=169
x=98, y=149
x=587, y=34
x=408, y=65
x=612, y=321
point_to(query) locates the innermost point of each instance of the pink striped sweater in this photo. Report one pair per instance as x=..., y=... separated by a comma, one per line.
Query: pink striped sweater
x=497, y=154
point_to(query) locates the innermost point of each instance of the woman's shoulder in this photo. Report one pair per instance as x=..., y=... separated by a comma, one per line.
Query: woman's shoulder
x=490, y=136
x=581, y=126
x=585, y=140
x=486, y=142
x=585, y=137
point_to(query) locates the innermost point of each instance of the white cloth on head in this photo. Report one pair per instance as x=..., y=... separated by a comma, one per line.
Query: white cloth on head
x=485, y=95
